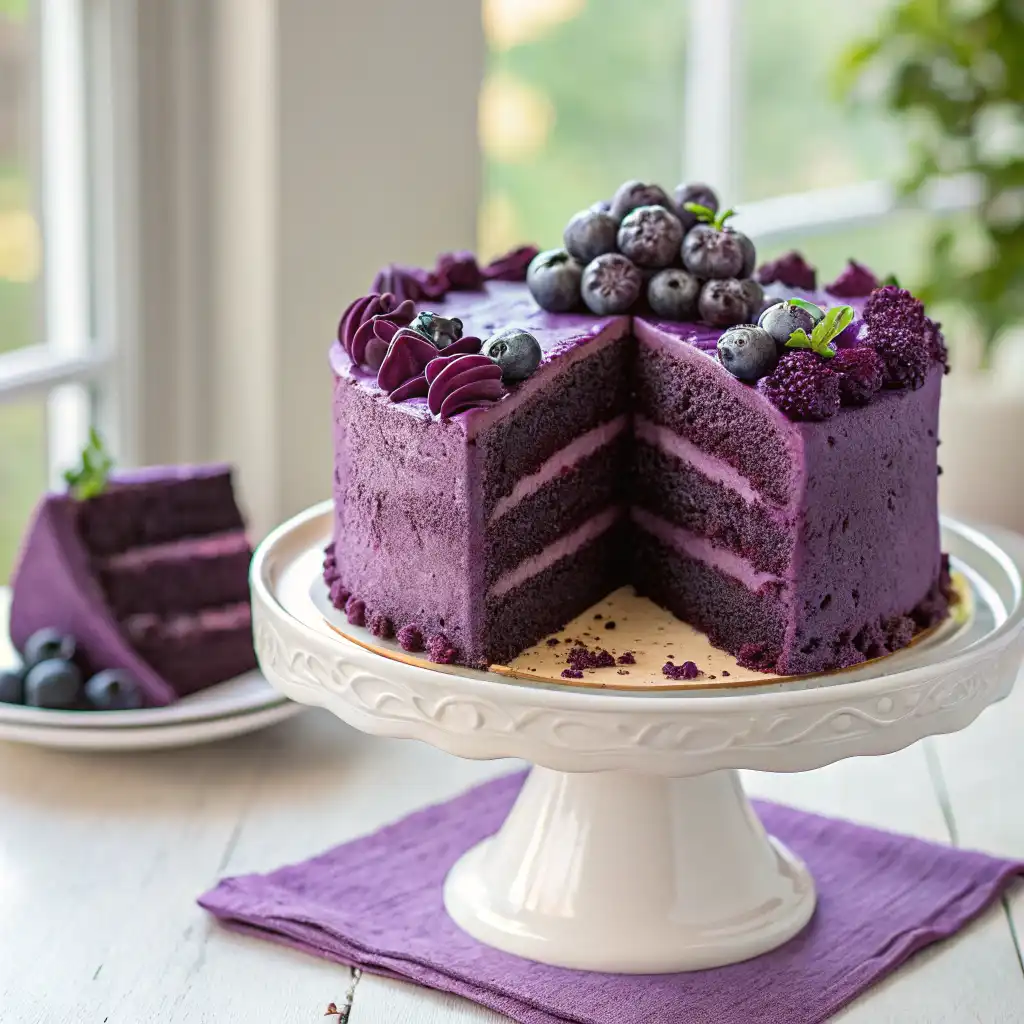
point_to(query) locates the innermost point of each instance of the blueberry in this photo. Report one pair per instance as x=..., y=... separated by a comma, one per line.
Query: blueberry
x=755, y=297
x=723, y=302
x=782, y=319
x=748, y=352
x=631, y=194
x=516, y=351
x=696, y=193
x=672, y=294
x=12, y=687
x=590, y=234
x=47, y=643
x=611, y=284
x=601, y=206
x=113, y=690
x=650, y=236
x=708, y=252
x=440, y=331
x=749, y=252
x=553, y=278
x=53, y=684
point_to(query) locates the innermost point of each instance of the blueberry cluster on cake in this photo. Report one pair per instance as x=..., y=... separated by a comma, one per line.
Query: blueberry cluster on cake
x=144, y=574
x=752, y=451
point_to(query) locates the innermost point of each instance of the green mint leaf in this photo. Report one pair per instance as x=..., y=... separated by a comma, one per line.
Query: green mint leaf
x=703, y=213
x=891, y=279
x=719, y=221
x=811, y=307
x=799, y=339
x=92, y=476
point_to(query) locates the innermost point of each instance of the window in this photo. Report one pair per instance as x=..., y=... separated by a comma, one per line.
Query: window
x=583, y=94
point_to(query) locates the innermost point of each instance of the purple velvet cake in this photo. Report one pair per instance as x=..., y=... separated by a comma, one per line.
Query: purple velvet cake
x=485, y=493
x=150, y=576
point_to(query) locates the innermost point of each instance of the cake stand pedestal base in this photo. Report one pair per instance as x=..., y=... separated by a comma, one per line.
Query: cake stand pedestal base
x=614, y=871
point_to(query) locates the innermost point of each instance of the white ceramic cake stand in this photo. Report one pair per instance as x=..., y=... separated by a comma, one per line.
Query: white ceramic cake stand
x=632, y=846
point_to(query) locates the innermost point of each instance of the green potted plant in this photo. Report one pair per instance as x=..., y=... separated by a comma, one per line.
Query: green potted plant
x=952, y=72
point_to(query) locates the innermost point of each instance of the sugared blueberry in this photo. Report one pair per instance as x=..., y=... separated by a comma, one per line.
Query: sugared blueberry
x=611, y=284
x=516, y=351
x=748, y=352
x=708, y=252
x=553, y=278
x=755, y=298
x=782, y=319
x=439, y=330
x=702, y=195
x=12, y=687
x=631, y=194
x=53, y=684
x=672, y=294
x=650, y=236
x=45, y=644
x=113, y=690
x=749, y=252
x=589, y=234
x=723, y=303
x=601, y=206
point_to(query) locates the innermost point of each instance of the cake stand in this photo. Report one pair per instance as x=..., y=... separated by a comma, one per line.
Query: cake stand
x=632, y=846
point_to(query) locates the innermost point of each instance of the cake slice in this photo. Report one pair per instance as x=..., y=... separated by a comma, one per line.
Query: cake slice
x=150, y=575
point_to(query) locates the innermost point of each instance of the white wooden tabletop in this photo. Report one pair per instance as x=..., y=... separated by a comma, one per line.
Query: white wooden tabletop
x=102, y=857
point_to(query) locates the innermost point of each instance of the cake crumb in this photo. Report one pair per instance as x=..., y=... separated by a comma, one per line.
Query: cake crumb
x=580, y=658
x=571, y=673
x=623, y=671
x=552, y=641
x=598, y=616
x=725, y=673
x=688, y=670
x=627, y=658
x=610, y=624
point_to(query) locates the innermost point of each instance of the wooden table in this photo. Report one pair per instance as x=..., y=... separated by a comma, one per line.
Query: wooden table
x=102, y=857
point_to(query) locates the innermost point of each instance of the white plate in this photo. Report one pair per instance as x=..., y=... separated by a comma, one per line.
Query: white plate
x=236, y=706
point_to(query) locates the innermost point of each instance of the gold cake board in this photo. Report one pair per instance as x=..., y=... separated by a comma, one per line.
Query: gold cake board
x=651, y=634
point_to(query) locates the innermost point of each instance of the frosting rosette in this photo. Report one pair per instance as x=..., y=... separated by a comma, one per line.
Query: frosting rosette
x=512, y=266
x=370, y=323
x=403, y=372
x=460, y=382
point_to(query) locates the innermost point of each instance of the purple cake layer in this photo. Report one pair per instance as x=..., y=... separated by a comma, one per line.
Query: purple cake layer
x=798, y=545
x=178, y=576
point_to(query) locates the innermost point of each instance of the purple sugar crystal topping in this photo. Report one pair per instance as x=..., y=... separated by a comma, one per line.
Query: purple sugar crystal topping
x=462, y=382
x=898, y=333
x=855, y=280
x=936, y=343
x=402, y=370
x=860, y=374
x=440, y=650
x=368, y=325
x=410, y=639
x=512, y=266
x=791, y=270
x=802, y=386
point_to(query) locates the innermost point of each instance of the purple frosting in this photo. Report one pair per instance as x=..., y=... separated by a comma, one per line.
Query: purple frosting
x=460, y=382
x=369, y=324
x=512, y=266
x=405, y=372
x=791, y=270
x=855, y=281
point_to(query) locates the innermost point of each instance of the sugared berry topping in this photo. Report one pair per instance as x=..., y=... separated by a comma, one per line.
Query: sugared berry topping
x=440, y=331
x=709, y=252
x=673, y=293
x=897, y=332
x=516, y=351
x=791, y=270
x=380, y=625
x=12, y=687
x=936, y=343
x=611, y=284
x=855, y=280
x=747, y=352
x=803, y=387
x=46, y=644
x=441, y=650
x=589, y=234
x=553, y=278
x=860, y=374
x=755, y=297
x=410, y=639
x=723, y=302
x=53, y=684
x=698, y=194
x=113, y=690
x=650, y=236
x=782, y=319
x=631, y=194
x=355, y=611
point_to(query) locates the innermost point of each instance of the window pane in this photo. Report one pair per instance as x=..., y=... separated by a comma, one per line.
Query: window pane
x=19, y=232
x=23, y=464
x=579, y=96
x=794, y=134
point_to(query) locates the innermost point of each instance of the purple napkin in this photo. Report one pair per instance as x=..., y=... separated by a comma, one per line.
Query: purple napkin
x=375, y=903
